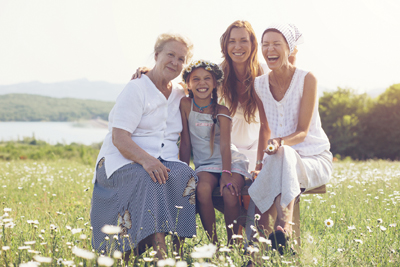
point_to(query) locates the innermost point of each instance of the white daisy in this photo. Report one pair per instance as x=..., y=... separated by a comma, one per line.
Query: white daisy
x=83, y=253
x=42, y=259
x=328, y=222
x=105, y=261
x=111, y=229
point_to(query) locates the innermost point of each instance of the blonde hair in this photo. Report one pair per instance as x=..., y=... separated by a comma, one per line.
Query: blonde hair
x=253, y=69
x=164, y=38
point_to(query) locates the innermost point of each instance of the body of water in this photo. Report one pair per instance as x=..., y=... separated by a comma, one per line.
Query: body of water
x=55, y=132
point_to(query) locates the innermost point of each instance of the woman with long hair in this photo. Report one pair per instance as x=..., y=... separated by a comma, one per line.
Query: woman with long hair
x=239, y=49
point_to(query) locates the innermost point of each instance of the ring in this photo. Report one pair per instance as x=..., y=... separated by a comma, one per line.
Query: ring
x=228, y=184
x=155, y=171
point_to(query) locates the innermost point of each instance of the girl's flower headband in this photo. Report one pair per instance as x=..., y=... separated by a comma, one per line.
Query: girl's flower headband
x=207, y=65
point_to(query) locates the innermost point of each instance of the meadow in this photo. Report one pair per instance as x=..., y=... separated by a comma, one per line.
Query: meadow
x=45, y=208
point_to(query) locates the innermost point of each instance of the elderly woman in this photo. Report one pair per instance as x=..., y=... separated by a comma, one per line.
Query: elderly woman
x=139, y=184
x=241, y=66
x=298, y=148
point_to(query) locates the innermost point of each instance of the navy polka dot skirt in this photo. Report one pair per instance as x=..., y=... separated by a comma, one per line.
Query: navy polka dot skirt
x=141, y=207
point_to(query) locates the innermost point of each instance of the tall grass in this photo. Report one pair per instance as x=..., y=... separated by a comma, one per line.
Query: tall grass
x=30, y=148
x=45, y=207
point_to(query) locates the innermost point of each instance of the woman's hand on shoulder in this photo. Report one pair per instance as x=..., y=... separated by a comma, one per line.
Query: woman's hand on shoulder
x=157, y=171
x=139, y=72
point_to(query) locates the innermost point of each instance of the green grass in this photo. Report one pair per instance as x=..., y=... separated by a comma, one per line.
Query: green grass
x=57, y=193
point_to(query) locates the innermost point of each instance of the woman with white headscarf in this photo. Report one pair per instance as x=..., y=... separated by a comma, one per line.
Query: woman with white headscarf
x=298, y=153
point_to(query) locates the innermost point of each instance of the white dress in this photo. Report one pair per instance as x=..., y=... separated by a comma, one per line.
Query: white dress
x=245, y=136
x=305, y=165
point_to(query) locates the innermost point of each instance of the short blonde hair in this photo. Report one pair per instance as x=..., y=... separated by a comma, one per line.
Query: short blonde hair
x=164, y=38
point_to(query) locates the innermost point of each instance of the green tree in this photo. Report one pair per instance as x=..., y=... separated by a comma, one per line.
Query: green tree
x=340, y=112
x=380, y=126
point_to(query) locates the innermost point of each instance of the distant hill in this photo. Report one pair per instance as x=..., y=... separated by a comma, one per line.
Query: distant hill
x=25, y=107
x=81, y=89
x=103, y=91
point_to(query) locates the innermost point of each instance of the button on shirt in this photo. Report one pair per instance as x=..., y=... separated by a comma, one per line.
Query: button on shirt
x=283, y=115
x=153, y=121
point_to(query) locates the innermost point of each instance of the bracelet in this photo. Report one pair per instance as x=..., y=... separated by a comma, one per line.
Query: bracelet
x=226, y=172
x=281, y=142
x=259, y=161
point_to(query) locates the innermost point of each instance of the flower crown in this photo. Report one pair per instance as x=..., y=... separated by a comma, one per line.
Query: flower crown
x=207, y=65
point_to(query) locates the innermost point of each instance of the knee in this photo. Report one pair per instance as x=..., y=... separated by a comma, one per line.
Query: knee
x=203, y=192
x=229, y=199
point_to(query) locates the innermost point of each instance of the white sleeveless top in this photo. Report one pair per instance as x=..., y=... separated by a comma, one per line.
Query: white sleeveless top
x=245, y=135
x=283, y=116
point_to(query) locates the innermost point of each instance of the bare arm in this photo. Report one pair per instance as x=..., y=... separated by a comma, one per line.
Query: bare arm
x=185, y=145
x=130, y=150
x=226, y=154
x=264, y=135
x=307, y=104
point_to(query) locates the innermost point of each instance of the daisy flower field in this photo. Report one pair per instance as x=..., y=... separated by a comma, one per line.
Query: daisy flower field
x=45, y=220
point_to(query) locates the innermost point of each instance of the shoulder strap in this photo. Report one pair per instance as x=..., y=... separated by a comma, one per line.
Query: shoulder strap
x=229, y=117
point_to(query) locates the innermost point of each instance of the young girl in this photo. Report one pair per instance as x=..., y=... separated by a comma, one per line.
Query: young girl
x=207, y=130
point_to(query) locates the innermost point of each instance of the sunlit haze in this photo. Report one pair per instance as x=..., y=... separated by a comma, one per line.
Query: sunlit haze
x=347, y=43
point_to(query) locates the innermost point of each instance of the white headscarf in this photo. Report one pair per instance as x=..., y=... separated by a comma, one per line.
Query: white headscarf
x=291, y=33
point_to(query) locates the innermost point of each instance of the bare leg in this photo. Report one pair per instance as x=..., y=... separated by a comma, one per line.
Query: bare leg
x=266, y=222
x=178, y=245
x=265, y=227
x=284, y=215
x=232, y=205
x=205, y=186
x=140, y=248
x=158, y=241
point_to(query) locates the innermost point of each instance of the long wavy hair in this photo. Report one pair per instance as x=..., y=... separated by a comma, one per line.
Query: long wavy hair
x=229, y=92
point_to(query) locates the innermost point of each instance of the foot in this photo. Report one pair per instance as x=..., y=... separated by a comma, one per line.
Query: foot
x=279, y=239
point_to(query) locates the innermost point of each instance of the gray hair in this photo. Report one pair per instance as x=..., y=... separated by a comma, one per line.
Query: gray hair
x=164, y=38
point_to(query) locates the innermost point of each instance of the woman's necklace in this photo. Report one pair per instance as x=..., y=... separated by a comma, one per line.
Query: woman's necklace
x=281, y=88
x=277, y=85
x=201, y=108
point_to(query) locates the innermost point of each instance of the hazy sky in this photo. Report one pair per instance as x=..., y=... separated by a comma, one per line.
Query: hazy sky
x=347, y=43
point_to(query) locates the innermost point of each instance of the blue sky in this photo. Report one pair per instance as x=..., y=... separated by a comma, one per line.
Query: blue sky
x=347, y=43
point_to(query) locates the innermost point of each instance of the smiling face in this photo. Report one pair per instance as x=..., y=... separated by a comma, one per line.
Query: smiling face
x=202, y=83
x=239, y=45
x=275, y=49
x=170, y=60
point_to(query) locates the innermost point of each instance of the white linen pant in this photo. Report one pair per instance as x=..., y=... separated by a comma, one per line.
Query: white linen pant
x=285, y=173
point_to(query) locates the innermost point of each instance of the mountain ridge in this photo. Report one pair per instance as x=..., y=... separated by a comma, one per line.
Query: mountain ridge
x=97, y=90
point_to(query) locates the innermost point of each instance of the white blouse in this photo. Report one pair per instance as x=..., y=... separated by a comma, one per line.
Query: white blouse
x=283, y=116
x=245, y=135
x=153, y=121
